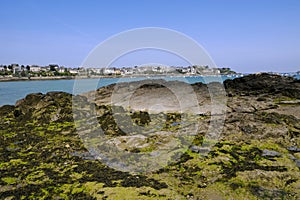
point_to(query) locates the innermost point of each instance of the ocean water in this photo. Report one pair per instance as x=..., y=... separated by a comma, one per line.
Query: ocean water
x=10, y=92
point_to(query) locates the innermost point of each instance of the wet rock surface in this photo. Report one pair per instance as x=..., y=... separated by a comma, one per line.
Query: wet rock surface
x=268, y=153
x=256, y=84
x=43, y=155
x=293, y=149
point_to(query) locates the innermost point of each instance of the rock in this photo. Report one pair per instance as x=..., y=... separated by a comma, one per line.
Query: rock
x=30, y=99
x=195, y=148
x=293, y=149
x=43, y=155
x=261, y=99
x=276, y=118
x=290, y=102
x=249, y=129
x=256, y=84
x=156, y=95
x=84, y=155
x=265, y=193
x=297, y=161
x=201, y=150
x=4, y=110
x=269, y=153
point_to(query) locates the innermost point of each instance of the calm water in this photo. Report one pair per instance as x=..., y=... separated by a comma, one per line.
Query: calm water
x=10, y=92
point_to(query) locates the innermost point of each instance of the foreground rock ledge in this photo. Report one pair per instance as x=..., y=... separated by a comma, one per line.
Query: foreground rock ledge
x=257, y=156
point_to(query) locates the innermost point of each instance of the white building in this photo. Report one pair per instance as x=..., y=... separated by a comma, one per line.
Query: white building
x=16, y=68
x=108, y=71
x=97, y=70
x=35, y=68
x=61, y=69
x=73, y=71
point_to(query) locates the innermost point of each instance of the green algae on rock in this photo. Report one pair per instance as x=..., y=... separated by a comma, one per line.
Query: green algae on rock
x=43, y=157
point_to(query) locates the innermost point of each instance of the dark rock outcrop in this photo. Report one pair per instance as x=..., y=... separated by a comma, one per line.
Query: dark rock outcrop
x=255, y=84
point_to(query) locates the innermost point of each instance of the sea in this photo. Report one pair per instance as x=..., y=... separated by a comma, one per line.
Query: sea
x=10, y=92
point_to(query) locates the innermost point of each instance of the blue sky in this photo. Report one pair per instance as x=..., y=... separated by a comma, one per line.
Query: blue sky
x=246, y=35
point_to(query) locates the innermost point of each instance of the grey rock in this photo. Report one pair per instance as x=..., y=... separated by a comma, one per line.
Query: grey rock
x=195, y=149
x=265, y=193
x=84, y=155
x=200, y=150
x=290, y=102
x=297, y=161
x=249, y=129
x=293, y=158
x=293, y=149
x=269, y=153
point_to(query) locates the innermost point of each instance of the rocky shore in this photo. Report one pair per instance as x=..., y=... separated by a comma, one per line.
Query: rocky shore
x=45, y=138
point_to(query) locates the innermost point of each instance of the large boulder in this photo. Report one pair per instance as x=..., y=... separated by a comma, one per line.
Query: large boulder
x=264, y=83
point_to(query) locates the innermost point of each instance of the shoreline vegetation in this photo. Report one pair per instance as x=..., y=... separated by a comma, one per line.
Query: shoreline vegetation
x=257, y=156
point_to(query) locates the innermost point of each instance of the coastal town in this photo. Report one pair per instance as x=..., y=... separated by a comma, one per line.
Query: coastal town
x=17, y=72
x=54, y=71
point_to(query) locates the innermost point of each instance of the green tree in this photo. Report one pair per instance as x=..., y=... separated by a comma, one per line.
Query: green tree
x=56, y=73
x=53, y=68
x=23, y=73
x=10, y=67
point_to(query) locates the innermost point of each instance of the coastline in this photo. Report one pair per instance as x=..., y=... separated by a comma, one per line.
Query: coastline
x=11, y=79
